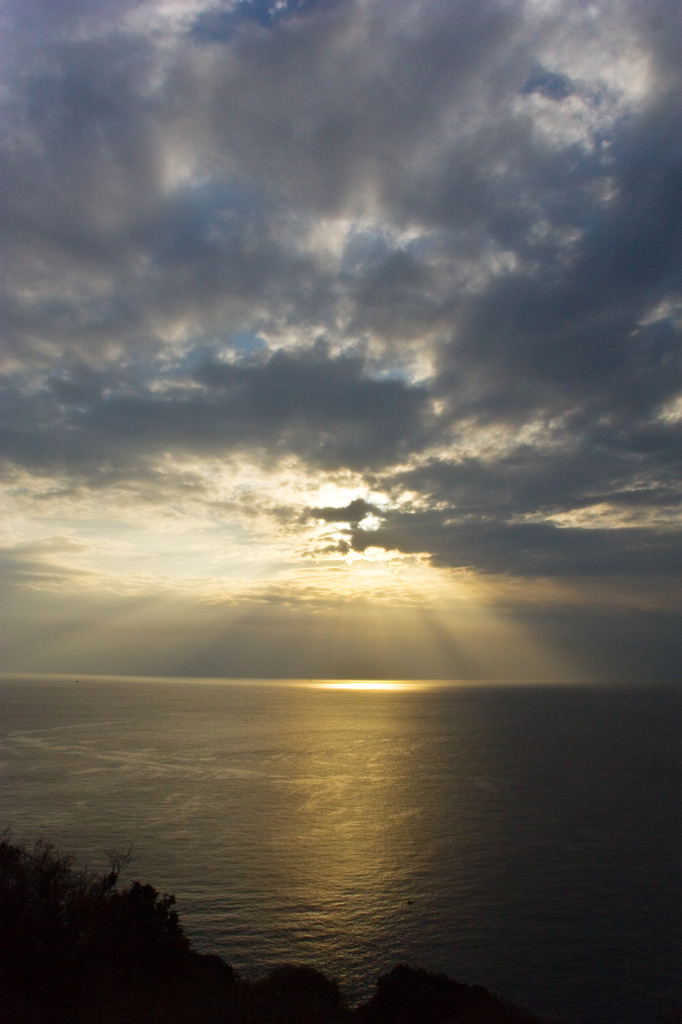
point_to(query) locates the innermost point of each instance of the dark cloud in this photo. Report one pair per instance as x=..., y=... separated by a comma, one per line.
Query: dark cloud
x=531, y=481
x=548, y=84
x=434, y=246
x=326, y=410
x=352, y=513
x=217, y=24
x=526, y=549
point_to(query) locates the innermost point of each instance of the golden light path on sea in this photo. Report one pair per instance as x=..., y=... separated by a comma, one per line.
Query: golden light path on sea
x=368, y=684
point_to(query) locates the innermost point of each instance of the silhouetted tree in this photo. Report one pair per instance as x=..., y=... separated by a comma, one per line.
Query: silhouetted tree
x=410, y=996
x=293, y=994
x=76, y=948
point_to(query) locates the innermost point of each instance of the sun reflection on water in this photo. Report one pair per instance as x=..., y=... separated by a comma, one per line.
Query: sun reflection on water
x=369, y=684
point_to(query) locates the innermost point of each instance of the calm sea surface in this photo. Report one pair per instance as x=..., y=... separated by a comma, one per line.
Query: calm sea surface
x=536, y=831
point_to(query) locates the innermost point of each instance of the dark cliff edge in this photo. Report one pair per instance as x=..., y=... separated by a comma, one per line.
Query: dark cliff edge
x=75, y=948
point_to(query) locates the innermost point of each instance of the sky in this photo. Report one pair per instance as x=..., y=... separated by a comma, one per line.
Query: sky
x=341, y=338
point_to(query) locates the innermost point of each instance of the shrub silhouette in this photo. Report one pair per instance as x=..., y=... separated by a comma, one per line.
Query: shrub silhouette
x=136, y=929
x=410, y=996
x=77, y=949
x=293, y=994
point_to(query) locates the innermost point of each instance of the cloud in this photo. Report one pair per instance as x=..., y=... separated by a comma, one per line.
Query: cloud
x=528, y=549
x=352, y=513
x=548, y=84
x=52, y=563
x=325, y=410
x=346, y=275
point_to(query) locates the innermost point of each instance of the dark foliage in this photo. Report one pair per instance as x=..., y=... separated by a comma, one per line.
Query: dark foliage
x=409, y=996
x=291, y=994
x=77, y=949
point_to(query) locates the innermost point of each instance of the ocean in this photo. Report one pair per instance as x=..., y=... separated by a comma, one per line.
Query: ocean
x=523, y=837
